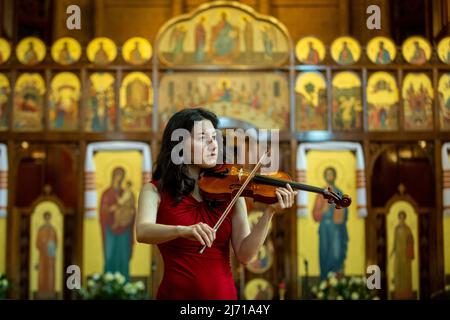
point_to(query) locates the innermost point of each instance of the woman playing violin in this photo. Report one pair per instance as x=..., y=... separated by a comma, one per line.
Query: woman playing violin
x=173, y=215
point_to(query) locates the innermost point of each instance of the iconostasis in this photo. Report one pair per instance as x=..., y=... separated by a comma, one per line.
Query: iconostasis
x=87, y=119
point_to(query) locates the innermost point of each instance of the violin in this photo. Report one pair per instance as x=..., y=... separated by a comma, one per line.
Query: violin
x=228, y=182
x=223, y=181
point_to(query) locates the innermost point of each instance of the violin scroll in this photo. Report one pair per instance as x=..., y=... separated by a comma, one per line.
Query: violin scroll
x=340, y=201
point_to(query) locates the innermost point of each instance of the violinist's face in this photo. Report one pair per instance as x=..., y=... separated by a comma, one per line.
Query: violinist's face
x=204, y=144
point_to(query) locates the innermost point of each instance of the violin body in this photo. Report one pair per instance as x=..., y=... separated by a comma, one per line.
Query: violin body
x=223, y=181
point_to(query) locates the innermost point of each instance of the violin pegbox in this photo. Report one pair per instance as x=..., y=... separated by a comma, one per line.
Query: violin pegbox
x=338, y=200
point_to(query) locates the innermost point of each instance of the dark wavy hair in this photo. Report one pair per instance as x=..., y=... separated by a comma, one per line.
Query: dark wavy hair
x=174, y=178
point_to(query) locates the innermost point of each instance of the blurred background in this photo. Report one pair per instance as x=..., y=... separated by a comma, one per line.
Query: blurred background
x=359, y=91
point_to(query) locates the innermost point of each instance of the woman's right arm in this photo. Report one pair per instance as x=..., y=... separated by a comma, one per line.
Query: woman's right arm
x=148, y=231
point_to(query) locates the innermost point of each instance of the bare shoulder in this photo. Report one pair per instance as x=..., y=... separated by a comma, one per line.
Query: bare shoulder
x=148, y=203
x=149, y=189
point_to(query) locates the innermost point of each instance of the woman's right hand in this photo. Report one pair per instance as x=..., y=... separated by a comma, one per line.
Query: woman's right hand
x=201, y=232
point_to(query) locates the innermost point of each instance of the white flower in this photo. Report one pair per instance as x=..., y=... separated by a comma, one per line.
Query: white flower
x=139, y=285
x=91, y=283
x=343, y=281
x=323, y=285
x=333, y=282
x=119, y=277
x=355, y=296
x=339, y=297
x=127, y=288
x=376, y=298
x=320, y=295
x=96, y=276
x=314, y=289
x=108, y=276
x=331, y=274
x=356, y=280
x=4, y=283
x=447, y=287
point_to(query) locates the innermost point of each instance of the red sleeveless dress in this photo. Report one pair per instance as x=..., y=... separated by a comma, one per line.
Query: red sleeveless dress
x=189, y=275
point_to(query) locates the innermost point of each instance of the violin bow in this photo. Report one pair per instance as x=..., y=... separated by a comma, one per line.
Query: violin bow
x=237, y=195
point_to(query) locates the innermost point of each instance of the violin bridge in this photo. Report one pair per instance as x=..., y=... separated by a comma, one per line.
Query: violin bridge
x=240, y=174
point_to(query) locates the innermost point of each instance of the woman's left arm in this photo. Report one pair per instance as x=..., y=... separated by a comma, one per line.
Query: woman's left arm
x=246, y=243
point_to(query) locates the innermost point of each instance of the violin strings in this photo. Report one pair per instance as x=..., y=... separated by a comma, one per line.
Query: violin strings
x=237, y=195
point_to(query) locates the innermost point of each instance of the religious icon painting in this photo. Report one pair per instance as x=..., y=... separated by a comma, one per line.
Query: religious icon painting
x=445, y=175
x=30, y=51
x=3, y=207
x=66, y=51
x=109, y=240
x=5, y=50
x=64, y=102
x=347, y=102
x=137, y=51
x=402, y=251
x=101, y=51
x=100, y=113
x=46, y=251
x=5, y=92
x=258, y=289
x=383, y=102
x=259, y=99
x=381, y=50
x=311, y=101
x=136, y=102
x=416, y=50
x=443, y=50
x=310, y=50
x=29, y=93
x=345, y=50
x=324, y=226
x=263, y=259
x=444, y=101
x=227, y=34
x=417, y=95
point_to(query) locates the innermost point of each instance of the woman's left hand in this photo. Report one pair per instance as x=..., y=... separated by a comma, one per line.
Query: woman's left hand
x=286, y=198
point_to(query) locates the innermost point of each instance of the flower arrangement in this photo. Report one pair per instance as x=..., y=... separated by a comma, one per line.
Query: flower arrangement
x=343, y=288
x=447, y=291
x=109, y=286
x=443, y=294
x=4, y=286
x=446, y=294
